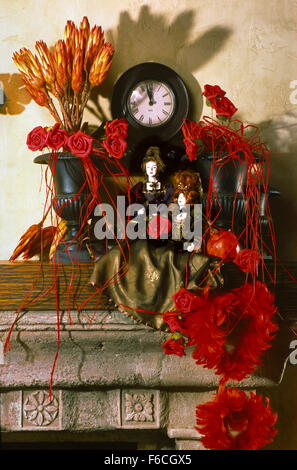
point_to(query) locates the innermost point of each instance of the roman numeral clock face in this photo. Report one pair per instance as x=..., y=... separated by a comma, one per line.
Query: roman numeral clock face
x=153, y=99
x=151, y=103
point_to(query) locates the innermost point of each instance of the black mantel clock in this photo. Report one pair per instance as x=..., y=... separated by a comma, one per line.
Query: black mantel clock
x=154, y=100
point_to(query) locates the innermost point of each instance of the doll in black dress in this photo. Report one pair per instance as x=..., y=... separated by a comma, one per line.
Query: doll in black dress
x=153, y=190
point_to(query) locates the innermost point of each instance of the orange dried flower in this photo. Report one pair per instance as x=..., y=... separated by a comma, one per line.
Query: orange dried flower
x=59, y=235
x=101, y=65
x=61, y=63
x=29, y=66
x=77, y=71
x=85, y=28
x=46, y=61
x=32, y=241
x=94, y=44
x=69, y=71
x=69, y=27
x=70, y=47
x=28, y=237
x=38, y=95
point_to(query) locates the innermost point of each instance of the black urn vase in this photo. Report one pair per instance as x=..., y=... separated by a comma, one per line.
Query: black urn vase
x=70, y=204
x=228, y=183
x=228, y=208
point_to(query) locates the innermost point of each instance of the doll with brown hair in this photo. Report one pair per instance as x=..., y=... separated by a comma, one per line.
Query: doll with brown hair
x=152, y=190
x=187, y=193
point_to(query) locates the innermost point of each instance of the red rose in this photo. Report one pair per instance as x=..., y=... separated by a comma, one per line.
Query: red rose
x=185, y=301
x=115, y=145
x=117, y=126
x=56, y=137
x=224, y=107
x=36, y=139
x=171, y=318
x=80, y=144
x=223, y=245
x=174, y=346
x=191, y=149
x=247, y=260
x=158, y=226
x=211, y=92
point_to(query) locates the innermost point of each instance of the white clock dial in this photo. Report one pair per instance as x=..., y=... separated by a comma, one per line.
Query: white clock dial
x=151, y=103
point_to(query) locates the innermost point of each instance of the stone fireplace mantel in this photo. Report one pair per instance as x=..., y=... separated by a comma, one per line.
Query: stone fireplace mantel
x=111, y=378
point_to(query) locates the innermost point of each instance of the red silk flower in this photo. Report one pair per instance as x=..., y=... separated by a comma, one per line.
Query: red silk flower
x=236, y=421
x=225, y=107
x=192, y=149
x=195, y=138
x=36, y=139
x=173, y=321
x=224, y=245
x=211, y=92
x=158, y=226
x=80, y=144
x=247, y=260
x=117, y=126
x=115, y=145
x=56, y=137
x=174, y=345
x=185, y=301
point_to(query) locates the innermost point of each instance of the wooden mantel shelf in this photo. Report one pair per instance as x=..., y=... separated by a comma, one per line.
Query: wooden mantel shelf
x=21, y=280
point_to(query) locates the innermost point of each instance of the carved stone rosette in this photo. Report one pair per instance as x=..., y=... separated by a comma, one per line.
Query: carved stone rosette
x=40, y=409
x=139, y=407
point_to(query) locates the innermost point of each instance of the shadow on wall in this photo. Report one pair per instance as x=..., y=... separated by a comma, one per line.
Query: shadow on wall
x=281, y=136
x=151, y=38
x=16, y=96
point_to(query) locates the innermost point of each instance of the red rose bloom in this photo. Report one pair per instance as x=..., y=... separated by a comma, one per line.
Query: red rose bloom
x=115, y=145
x=224, y=107
x=236, y=421
x=117, y=126
x=171, y=318
x=185, y=301
x=191, y=148
x=80, y=144
x=158, y=226
x=56, y=137
x=174, y=346
x=36, y=139
x=211, y=92
x=247, y=260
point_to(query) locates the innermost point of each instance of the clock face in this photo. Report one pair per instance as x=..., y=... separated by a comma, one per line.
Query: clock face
x=153, y=99
x=151, y=103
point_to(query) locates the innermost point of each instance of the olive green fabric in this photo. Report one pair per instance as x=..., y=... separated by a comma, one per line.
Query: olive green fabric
x=153, y=275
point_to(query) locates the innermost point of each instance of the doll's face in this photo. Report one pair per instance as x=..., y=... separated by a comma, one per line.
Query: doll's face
x=181, y=200
x=151, y=168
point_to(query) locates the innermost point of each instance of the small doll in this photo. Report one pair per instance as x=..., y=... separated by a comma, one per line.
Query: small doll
x=152, y=190
x=187, y=192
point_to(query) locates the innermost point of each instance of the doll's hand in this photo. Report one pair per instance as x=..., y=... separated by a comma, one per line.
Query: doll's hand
x=191, y=247
x=181, y=217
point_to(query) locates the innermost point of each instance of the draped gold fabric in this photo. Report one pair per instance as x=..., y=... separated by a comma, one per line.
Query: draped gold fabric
x=148, y=281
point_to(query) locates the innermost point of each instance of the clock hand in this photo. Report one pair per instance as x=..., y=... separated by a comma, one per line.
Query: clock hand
x=149, y=89
x=149, y=93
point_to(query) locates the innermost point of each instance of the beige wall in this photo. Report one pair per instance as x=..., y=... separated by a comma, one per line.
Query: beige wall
x=247, y=47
